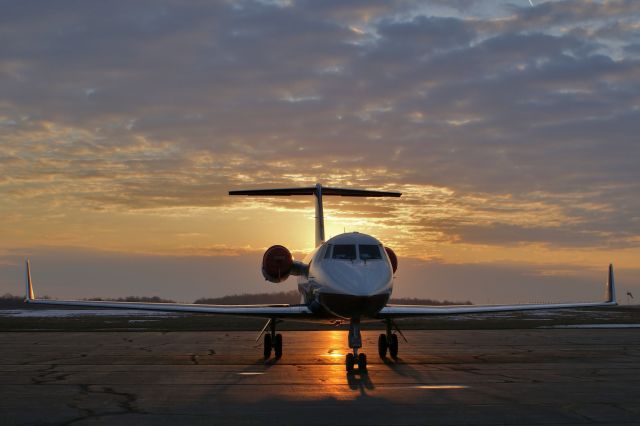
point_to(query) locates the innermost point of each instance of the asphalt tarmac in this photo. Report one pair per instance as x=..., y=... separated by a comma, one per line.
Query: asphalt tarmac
x=497, y=377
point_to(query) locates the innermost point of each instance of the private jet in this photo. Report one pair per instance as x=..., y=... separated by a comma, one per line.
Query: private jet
x=348, y=278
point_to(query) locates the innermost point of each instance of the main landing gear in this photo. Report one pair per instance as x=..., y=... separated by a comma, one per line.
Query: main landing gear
x=355, y=343
x=272, y=341
x=388, y=341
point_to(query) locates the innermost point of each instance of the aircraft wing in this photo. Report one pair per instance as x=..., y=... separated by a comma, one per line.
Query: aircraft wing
x=399, y=311
x=266, y=311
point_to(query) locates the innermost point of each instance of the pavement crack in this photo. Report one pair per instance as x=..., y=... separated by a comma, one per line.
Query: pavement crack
x=128, y=402
x=125, y=403
x=86, y=413
x=49, y=375
x=573, y=409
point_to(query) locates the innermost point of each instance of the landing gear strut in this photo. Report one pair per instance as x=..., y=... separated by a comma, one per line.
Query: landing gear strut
x=388, y=341
x=272, y=341
x=355, y=343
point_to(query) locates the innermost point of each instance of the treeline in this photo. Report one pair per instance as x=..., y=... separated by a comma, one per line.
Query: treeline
x=293, y=297
x=289, y=297
x=431, y=302
x=7, y=297
x=133, y=299
x=9, y=301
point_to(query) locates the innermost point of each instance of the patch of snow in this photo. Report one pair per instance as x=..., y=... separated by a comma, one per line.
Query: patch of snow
x=66, y=313
x=594, y=326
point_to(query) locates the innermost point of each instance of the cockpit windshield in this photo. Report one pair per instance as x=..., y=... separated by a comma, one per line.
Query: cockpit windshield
x=344, y=251
x=369, y=251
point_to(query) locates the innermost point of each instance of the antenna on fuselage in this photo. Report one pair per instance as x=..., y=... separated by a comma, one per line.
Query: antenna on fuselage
x=317, y=191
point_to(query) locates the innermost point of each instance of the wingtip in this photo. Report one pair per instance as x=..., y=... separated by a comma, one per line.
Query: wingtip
x=29, y=293
x=611, y=287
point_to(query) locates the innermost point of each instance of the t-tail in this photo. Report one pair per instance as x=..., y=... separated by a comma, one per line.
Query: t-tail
x=318, y=192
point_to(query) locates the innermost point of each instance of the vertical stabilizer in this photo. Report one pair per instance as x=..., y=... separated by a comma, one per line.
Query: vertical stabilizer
x=319, y=216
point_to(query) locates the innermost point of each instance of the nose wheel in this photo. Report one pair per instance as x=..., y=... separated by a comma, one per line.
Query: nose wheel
x=355, y=343
x=350, y=362
x=362, y=362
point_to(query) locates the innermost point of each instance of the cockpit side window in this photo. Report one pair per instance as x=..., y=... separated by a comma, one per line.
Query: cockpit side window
x=344, y=251
x=327, y=251
x=369, y=251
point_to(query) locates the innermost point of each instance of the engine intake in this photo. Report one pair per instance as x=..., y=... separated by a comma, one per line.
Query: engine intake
x=393, y=258
x=277, y=264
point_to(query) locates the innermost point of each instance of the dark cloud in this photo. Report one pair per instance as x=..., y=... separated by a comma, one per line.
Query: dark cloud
x=633, y=49
x=427, y=33
x=566, y=13
x=168, y=104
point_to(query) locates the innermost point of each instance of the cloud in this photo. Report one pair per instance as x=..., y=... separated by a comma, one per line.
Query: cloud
x=503, y=125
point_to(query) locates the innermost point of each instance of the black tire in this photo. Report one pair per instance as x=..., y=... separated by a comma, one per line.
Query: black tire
x=277, y=346
x=393, y=346
x=382, y=345
x=362, y=362
x=350, y=361
x=267, y=346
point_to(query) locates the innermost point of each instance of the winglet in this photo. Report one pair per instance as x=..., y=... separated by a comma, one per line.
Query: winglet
x=611, y=287
x=29, y=293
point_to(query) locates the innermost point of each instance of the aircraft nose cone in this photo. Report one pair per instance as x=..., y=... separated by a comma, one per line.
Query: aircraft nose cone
x=355, y=288
x=361, y=279
x=369, y=284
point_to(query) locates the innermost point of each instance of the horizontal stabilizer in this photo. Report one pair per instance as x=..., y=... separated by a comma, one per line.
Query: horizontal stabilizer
x=318, y=191
x=312, y=190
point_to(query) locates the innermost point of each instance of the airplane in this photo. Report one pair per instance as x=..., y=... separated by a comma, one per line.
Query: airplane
x=346, y=278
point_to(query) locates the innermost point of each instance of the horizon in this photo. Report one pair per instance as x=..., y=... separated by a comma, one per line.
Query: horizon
x=510, y=128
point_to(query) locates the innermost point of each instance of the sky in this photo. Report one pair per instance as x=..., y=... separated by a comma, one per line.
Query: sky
x=510, y=127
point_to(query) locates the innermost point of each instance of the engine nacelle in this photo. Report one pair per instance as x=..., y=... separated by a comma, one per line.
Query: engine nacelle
x=393, y=258
x=277, y=263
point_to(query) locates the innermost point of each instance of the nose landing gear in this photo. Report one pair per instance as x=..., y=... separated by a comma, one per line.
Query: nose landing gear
x=355, y=343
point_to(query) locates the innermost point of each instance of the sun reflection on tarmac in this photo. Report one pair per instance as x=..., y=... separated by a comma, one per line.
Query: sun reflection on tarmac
x=333, y=353
x=335, y=341
x=363, y=384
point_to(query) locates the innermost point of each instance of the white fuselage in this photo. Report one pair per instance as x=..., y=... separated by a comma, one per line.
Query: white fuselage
x=350, y=276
